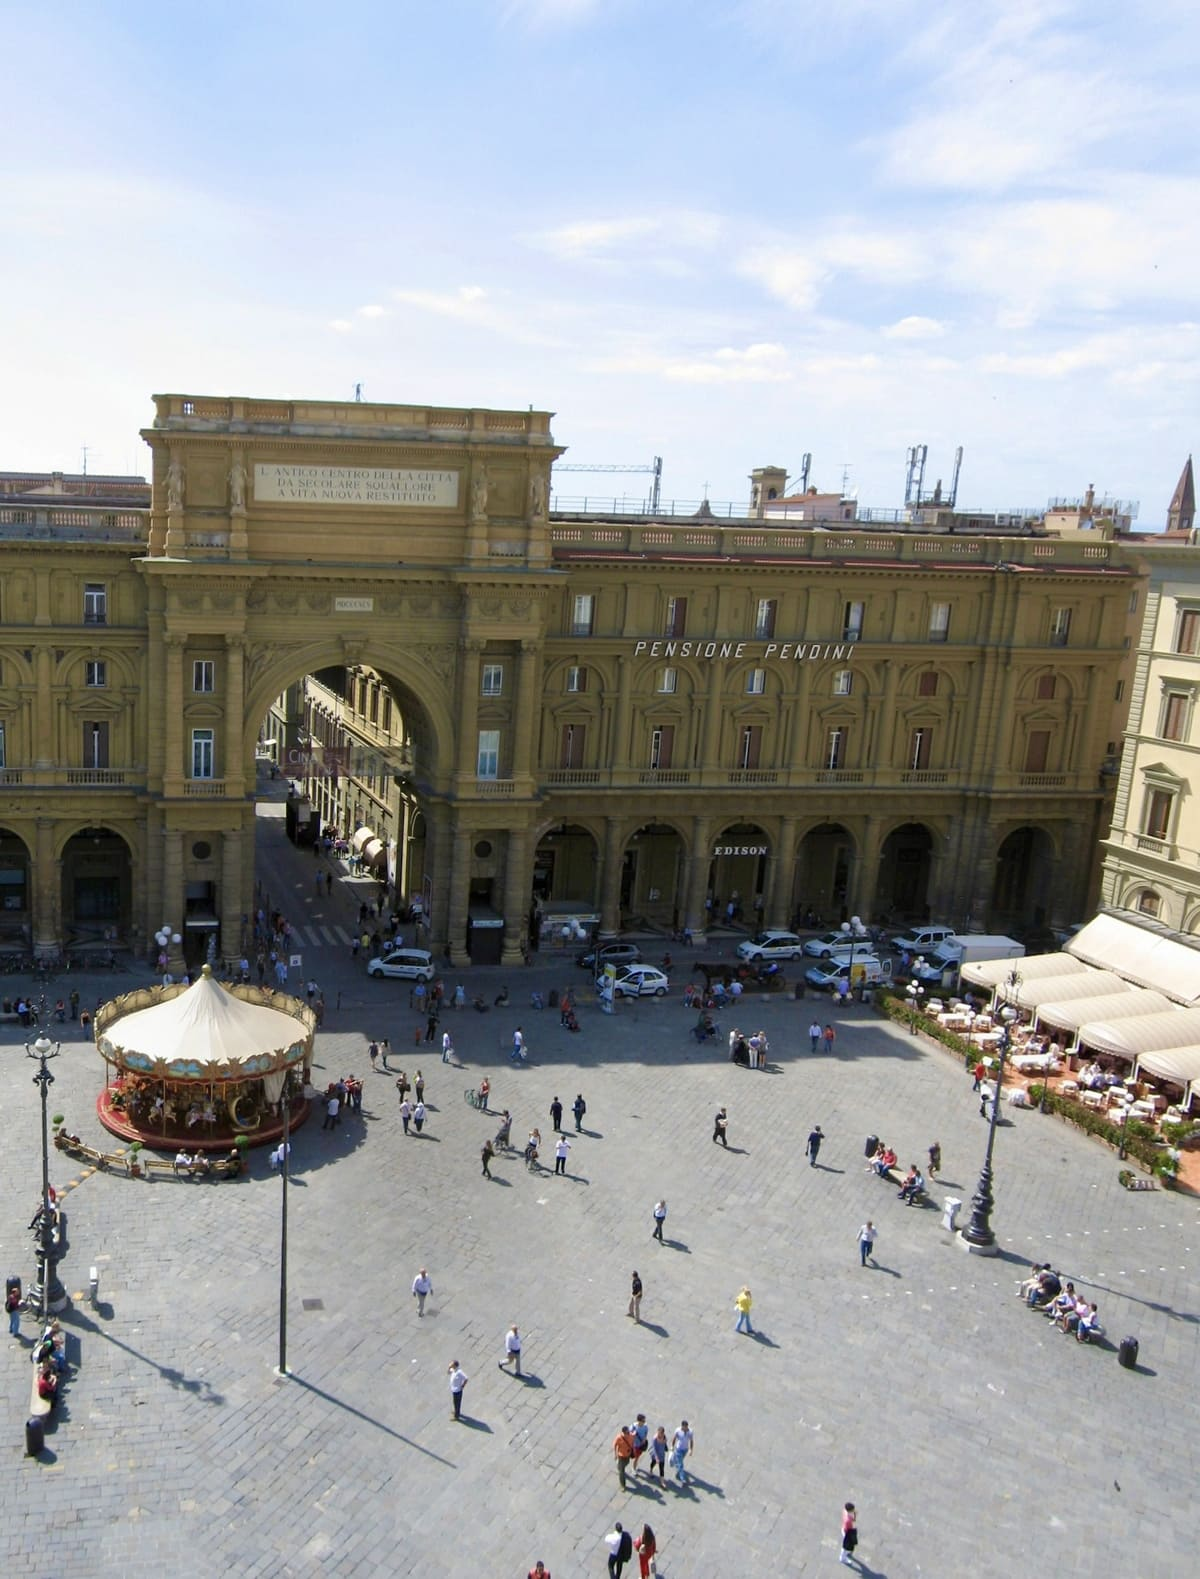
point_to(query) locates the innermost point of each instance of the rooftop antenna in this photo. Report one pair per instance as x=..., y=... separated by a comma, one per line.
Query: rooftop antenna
x=845, y=478
x=805, y=468
x=952, y=496
x=358, y=394
x=915, y=476
x=85, y=456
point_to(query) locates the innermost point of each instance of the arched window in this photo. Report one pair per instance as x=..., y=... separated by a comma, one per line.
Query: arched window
x=1148, y=902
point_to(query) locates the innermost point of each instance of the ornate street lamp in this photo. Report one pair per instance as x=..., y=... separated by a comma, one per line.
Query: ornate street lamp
x=50, y=1292
x=977, y=1237
x=915, y=993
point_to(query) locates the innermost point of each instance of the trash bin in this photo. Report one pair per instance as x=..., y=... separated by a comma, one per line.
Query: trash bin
x=799, y=992
x=35, y=1436
x=950, y=1210
x=552, y=999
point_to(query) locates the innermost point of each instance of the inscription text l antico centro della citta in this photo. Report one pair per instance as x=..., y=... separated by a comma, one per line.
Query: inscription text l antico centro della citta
x=361, y=485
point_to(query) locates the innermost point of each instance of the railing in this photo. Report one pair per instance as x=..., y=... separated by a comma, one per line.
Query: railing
x=563, y=777
x=665, y=776
x=354, y=415
x=96, y=524
x=753, y=776
x=838, y=776
x=495, y=789
x=924, y=776
x=1043, y=780
x=95, y=775
x=10, y=775
x=204, y=789
x=1154, y=846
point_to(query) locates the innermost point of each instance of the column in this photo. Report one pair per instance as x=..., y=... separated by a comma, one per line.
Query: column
x=885, y=770
x=866, y=876
x=695, y=917
x=44, y=714
x=232, y=905
x=468, y=708
x=518, y=882
x=610, y=880
x=235, y=764
x=460, y=888
x=710, y=745
x=173, y=760
x=778, y=898
x=47, y=891
x=173, y=896
x=619, y=754
x=526, y=710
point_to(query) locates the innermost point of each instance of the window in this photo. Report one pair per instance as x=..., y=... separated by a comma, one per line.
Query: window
x=583, y=614
x=95, y=603
x=1148, y=902
x=756, y=682
x=852, y=621
x=488, y=762
x=571, y=743
x=1060, y=627
x=1037, y=751
x=750, y=746
x=387, y=711
x=1160, y=804
x=95, y=674
x=1046, y=685
x=493, y=679
x=676, y=620
x=835, y=748
x=1133, y=602
x=939, y=621
x=202, y=753
x=662, y=744
x=919, y=743
x=3, y=752
x=1176, y=709
x=843, y=682
x=95, y=745
x=927, y=683
x=668, y=679
x=1119, y=692
x=576, y=679
x=1187, y=637
x=204, y=675
x=764, y=619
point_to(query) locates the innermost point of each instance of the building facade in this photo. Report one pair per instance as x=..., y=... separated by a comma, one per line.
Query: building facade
x=1152, y=854
x=517, y=716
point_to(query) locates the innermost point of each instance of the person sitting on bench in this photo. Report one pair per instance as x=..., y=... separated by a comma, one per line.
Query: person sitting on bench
x=183, y=1163
x=884, y=1161
x=1061, y=1304
x=908, y=1183
x=47, y=1383
x=1047, y=1287
x=1088, y=1323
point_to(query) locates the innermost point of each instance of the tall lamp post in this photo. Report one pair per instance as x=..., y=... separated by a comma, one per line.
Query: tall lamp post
x=853, y=932
x=977, y=1237
x=915, y=993
x=51, y=1294
x=281, y=1369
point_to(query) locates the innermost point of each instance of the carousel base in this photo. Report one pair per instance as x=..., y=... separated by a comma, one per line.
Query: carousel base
x=196, y=1137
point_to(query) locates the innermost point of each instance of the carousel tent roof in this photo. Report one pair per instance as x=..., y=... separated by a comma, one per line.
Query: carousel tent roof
x=991, y=972
x=205, y=1032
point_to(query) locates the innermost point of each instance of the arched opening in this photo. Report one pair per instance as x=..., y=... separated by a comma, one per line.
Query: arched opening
x=15, y=894
x=1024, y=873
x=564, y=903
x=821, y=882
x=97, y=889
x=737, y=877
x=652, y=877
x=905, y=863
x=1149, y=903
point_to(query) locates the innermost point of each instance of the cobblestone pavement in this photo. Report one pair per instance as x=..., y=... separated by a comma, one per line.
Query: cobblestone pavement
x=973, y=1439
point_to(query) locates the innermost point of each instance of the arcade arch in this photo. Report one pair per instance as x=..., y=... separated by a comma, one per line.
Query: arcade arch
x=905, y=866
x=824, y=870
x=1025, y=867
x=652, y=875
x=96, y=888
x=16, y=900
x=738, y=874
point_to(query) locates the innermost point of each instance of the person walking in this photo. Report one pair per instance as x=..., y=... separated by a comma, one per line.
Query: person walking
x=422, y=1285
x=419, y=1086
x=333, y=1107
x=402, y=1085
x=814, y=1035
x=518, y=1046
x=458, y=1382
x=447, y=1046
x=816, y=1136
x=935, y=1159
x=488, y=1152
x=539, y=1571
x=418, y=1117
x=620, y=1549
x=867, y=1235
x=720, y=1125
x=512, y=1350
x=645, y=1546
x=660, y=1217
x=556, y=1114
x=406, y=1113
x=742, y=1305
x=658, y=1453
x=431, y=1025
x=641, y=1439
x=830, y=1036
x=623, y=1452
x=635, y=1301
x=373, y=1055
x=849, y=1535
x=682, y=1444
x=12, y=1304
x=561, y=1147
x=579, y=1108
x=979, y=1071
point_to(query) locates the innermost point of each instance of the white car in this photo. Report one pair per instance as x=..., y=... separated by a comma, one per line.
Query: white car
x=410, y=964
x=835, y=973
x=922, y=939
x=637, y=981
x=773, y=944
x=830, y=943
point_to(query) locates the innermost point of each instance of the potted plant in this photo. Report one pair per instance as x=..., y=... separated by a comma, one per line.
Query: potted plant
x=1125, y=1178
x=1167, y=1167
x=134, y=1152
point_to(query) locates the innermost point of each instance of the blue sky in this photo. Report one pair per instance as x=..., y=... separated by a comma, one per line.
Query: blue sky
x=725, y=231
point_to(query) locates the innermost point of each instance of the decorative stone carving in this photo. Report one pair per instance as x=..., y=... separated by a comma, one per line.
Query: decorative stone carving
x=519, y=607
x=438, y=656
x=490, y=607
x=391, y=605
x=479, y=492
x=176, y=479
x=256, y=598
x=237, y=485
x=420, y=605
x=537, y=496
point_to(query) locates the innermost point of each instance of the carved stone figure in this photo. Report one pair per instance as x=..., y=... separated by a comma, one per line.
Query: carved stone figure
x=479, y=493
x=175, y=481
x=237, y=485
x=537, y=496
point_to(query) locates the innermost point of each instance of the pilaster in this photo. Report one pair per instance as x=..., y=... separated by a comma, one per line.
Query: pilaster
x=610, y=886
x=518, y=881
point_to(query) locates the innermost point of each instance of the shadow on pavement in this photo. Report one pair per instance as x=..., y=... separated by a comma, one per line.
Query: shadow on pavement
x=653, y=1326
x=340, y=1403
x=199, y=1389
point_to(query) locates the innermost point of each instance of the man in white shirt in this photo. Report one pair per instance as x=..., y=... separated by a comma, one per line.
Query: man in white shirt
x=512, y=1350
x=422, y=1285
x=814, y=1035
x=458, y=1381
x=682, y=1444
x=561, y=1147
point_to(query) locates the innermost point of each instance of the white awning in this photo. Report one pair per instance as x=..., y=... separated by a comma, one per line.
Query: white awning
x=373, y=849
x=991, y=972
x=1180, y=1065
x=1063, y=989
x=360, y=837
x=1145, y=954
x=1147, y=1034
x=1075, y=1012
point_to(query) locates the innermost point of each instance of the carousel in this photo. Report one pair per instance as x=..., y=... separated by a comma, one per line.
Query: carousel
x=202, y=1065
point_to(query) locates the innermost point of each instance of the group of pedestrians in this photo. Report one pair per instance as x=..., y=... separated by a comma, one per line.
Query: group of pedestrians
x=631, y=1442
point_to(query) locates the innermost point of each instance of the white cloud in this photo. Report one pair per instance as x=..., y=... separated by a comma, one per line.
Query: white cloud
x=477, y=307
x=756, y=364
x=373, y=310
x=341, y=325
x=794, y=276
x=654, y=240
x=914, y=328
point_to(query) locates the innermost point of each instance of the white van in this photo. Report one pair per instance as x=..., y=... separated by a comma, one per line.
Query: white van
x=920, y=940
x=410, y=964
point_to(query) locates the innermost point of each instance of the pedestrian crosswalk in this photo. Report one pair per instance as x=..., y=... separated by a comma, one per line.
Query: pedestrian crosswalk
x=316, y=936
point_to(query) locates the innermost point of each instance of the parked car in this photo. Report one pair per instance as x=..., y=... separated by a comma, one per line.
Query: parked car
x=837, y=974
x=609, y=954
x=772, y=944
x=830, y=943
x=921, y=940
x=410, y=964
x=637, y=981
